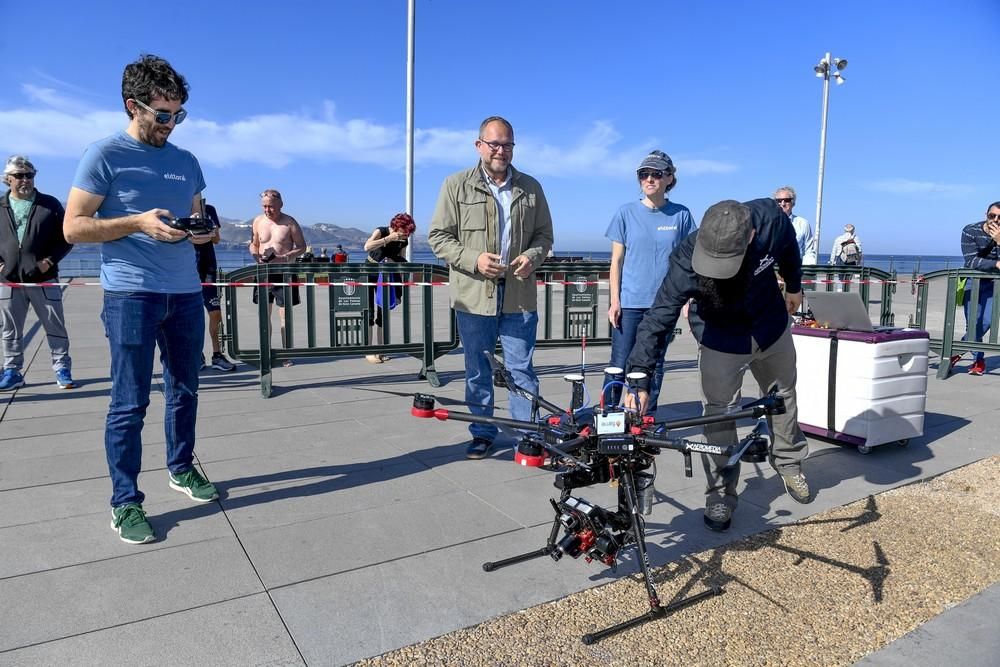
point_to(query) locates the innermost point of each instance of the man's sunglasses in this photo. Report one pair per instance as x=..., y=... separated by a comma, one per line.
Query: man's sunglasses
x=992, y=217
x=784, y=200
x=23, y=175
x=163, y=117
x=643, y=175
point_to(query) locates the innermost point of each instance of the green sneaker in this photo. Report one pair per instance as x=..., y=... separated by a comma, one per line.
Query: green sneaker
x=129, y=520
x=194, y=485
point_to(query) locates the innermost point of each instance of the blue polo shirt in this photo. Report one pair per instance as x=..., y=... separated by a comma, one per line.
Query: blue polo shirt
x=133, y=178
x=649, y=236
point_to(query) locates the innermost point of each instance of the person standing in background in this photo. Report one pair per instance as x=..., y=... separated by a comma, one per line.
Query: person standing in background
x=785, y=196
x=208, y=272
x=385, y=245
x=981, y=252
x=31, y=246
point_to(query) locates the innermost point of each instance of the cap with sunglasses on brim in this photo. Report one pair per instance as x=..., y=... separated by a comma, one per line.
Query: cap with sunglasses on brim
x=722, y=241
x=657, y=161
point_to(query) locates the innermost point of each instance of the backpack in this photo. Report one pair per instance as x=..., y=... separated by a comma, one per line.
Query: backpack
x=849, y=252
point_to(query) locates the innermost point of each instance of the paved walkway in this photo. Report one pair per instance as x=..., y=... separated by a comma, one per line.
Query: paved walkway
x=347, y=528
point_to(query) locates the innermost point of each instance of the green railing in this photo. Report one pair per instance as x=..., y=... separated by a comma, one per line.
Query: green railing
x=344, y=331
x=948, y=343
x=573, y=304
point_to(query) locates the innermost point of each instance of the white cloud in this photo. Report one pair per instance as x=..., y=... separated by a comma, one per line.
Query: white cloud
x=905, y=186
x=61, y=125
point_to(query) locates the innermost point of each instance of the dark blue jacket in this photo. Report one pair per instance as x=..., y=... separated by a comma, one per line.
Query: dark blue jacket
x=761, y=317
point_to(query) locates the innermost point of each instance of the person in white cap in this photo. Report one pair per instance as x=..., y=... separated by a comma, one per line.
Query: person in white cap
x=741, y=320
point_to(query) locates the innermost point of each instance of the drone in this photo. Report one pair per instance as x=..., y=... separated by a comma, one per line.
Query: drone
x=584, y=447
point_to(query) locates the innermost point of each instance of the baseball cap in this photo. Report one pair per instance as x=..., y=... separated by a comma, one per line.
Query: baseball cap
x=657, y=160
x=722, y=241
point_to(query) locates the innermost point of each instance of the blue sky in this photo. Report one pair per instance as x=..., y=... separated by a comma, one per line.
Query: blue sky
x=309, y=98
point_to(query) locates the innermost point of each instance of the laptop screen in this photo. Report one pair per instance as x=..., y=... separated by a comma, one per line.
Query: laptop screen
x=839, y=310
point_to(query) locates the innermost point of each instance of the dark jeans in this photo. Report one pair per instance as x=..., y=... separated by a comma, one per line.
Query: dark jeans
x=136, y=323
x=622, y=341
x=984, y=311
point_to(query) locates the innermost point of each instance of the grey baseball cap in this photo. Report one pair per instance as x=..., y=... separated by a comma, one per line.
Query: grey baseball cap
x=657, y=160
x=722, y=241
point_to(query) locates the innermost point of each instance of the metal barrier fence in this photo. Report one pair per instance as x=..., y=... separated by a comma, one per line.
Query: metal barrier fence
x=946, y=344
x=345, y=331
x=573, y=302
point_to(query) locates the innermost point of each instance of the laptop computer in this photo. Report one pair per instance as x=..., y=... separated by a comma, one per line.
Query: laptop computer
x=839, y=310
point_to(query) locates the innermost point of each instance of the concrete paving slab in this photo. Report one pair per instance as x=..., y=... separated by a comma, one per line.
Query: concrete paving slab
x=244, y=631
x=28, y=548
x=966, y=635
x=98, y=595
x=321, y=547
x=290, y=494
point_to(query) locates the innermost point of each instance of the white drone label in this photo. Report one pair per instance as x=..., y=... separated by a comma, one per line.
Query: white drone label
x=613, y=422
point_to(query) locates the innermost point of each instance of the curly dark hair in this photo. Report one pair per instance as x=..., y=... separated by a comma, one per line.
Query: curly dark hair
x=402, y=222
x=151, y=76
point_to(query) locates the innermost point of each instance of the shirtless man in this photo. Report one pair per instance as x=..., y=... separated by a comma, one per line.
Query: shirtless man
x=277, y=238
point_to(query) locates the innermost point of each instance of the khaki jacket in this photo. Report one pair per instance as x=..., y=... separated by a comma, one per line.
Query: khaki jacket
x=466, y=223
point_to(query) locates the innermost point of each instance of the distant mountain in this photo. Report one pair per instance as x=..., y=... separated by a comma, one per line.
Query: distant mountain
x=319, y=236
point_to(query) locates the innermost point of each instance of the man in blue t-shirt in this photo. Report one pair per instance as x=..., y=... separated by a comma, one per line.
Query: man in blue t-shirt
x=643, y=233
x=125, y=188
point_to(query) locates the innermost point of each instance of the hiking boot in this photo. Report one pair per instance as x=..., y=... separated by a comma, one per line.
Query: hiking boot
x=478, y=448
x=797, y=488
x=194, y=485
x=954, y=360
x=718, y=517
x=220, y=363
x=11, y=380
x=978, y=368
x=64, y=379
x=129, y=520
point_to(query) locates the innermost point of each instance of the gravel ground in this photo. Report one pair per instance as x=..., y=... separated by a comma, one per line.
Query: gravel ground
x=824, y=591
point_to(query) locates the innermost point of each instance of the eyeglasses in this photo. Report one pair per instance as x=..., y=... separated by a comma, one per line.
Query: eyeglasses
x=992, y=217
x=27, y=176
x=643, y=175
x=784, y=200
x=163, y=117
x=497, y=146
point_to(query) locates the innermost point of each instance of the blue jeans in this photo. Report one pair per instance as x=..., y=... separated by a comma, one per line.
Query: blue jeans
x=135, y=324
x=984, y=311
x=622, y=341
x=479, y=334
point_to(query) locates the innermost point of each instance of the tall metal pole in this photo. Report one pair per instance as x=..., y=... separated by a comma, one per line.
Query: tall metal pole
x=411, y=23
x=822, y=150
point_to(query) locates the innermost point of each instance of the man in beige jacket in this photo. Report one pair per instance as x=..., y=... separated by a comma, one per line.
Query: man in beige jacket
x=493, y=227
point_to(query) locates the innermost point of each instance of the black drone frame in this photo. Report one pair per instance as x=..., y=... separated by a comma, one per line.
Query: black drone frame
x=573, y=447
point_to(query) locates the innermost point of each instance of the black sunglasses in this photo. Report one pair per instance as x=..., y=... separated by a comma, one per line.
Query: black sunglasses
x=643, y=175
x=992, y=217
x=784, y=200
x=163, y=117
x=23, y=176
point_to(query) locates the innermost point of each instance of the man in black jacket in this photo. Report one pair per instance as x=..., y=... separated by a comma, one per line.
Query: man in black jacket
x=31, y=245
x=740, y=320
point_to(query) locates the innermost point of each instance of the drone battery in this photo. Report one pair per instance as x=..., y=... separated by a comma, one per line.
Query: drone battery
x=555, y=436
x=615, y=444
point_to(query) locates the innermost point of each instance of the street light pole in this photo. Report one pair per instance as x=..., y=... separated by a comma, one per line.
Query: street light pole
x=823, y=70
x=411, y=23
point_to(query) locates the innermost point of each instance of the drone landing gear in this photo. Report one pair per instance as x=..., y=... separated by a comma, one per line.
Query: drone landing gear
x=636, y=534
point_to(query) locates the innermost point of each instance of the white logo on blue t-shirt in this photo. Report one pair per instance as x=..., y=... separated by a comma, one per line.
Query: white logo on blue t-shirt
x=175, y=177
